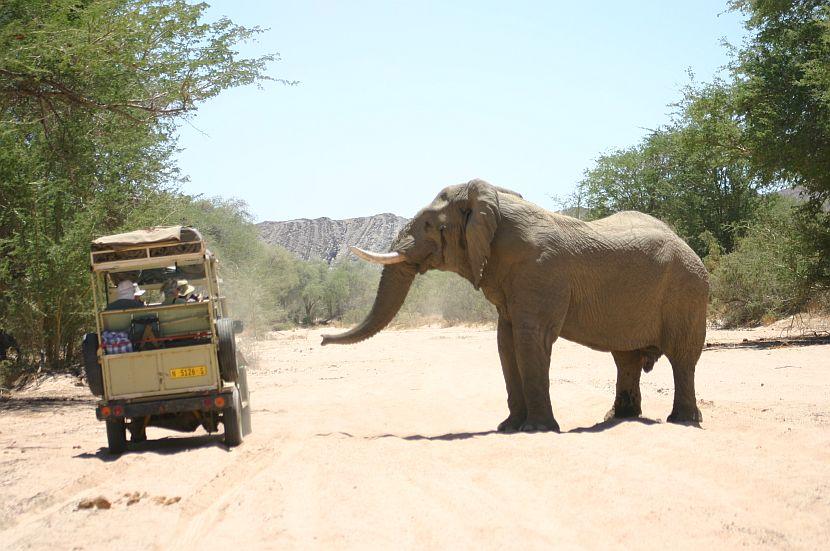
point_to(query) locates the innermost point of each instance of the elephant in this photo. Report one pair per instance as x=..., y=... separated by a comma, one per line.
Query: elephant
x=625, y=284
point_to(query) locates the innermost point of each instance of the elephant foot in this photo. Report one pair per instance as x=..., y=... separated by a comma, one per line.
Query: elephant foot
x=540, y=426
x=623, y=410
x=510, y=425
x=685, y=415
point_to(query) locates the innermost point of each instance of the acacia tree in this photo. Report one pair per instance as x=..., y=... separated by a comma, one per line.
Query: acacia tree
x=783, y=89
x=717, y=190
x=626, y=179
x=694, y=173
x=90, y=95
x=730, y=144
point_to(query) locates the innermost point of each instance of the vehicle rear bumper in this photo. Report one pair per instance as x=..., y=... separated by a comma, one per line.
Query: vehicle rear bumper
x=205, y=401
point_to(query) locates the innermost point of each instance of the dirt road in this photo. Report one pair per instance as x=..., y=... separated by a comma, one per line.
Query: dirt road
x=390, y=444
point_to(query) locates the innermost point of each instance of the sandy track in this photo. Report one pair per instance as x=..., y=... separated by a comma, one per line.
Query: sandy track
x=390, y=444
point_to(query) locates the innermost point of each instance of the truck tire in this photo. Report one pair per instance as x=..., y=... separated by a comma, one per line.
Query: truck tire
x=92, y=369
x=232, y=419
x=116, y=435
x=245, y=396
x=227, y=350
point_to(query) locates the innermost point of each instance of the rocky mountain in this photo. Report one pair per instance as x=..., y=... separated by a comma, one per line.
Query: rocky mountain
x=328, y=240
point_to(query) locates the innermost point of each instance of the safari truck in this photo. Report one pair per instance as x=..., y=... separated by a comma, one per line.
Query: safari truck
x=164, y=352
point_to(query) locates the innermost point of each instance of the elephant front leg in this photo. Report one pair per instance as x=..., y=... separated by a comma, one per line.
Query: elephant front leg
x=533, y=358
x=512, y=379
x=627, y=401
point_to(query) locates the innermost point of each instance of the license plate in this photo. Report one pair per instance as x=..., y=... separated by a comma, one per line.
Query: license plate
x=181, y=372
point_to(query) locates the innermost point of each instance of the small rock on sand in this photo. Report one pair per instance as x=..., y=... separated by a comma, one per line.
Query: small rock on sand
x=99, y=502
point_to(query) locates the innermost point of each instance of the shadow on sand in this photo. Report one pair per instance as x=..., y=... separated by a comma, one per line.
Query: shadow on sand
x=42, y=403
x=598, y=427
x=163, y=446
x=448, y=436
x=413, y=437
x=611, y=423
x=763, y=343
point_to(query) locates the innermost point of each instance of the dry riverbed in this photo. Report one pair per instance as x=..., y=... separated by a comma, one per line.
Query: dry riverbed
x=390, y=444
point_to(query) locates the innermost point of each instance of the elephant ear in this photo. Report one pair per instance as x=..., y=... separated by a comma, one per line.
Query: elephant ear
x=482, y=221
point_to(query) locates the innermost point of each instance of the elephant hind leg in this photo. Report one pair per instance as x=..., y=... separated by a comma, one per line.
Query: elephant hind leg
x=684, y=409
x=627, y=401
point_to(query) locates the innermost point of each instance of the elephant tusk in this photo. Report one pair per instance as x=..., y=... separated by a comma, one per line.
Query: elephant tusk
x=379, y=258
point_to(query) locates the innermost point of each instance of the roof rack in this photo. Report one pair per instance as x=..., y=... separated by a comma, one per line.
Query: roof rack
x=158, y=246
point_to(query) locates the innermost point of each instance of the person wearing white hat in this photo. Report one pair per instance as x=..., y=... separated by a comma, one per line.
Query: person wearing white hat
x=138, y=293
x=125, y=296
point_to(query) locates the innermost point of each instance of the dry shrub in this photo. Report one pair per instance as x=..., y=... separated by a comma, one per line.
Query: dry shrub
x=447, y=297
x=765, y=277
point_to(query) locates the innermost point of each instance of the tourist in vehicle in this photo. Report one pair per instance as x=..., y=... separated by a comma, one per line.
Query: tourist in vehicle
x=187, y=292
x=170, y=290
x=138, y=293
x=178, y=291
x=125, y=296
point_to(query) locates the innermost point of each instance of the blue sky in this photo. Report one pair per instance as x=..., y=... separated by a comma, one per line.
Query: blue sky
x=399, y=99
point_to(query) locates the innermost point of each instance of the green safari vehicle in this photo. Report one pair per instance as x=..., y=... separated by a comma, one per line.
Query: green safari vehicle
x=164, y=352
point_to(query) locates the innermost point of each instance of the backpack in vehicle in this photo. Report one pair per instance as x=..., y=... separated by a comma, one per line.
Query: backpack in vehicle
x=145, y=332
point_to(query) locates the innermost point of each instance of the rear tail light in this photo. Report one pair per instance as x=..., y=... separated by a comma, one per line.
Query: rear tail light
x=219, y=402
x=207, y=402
x=105, y=411
x=118, y=411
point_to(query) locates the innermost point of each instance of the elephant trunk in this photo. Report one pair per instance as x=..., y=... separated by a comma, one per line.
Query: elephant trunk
x=394, y=285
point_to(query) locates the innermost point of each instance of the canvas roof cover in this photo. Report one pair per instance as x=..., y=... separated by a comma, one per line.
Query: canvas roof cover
x=151, y=236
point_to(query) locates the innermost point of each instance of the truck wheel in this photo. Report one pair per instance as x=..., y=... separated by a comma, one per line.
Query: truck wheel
x=232, y=419
x=116, y=435
x=245, y=396
x=92, y=369
x=246, y=420
x=227, y=350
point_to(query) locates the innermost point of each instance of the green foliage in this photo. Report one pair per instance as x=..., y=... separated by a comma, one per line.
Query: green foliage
x=256, y=277
x=765, y=277
x=350, y=291
x=626, y=179
x=783, y=88
x=710, y=170
x=266, y=286
x=139, y=60
x=89, y=96
x=446, y=296
x=344, y=292
x=308, y=297
x=9, y=373
x=694, y=173
x=783, y=94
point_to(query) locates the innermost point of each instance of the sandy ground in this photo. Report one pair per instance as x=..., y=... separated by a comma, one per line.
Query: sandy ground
x=390, y=444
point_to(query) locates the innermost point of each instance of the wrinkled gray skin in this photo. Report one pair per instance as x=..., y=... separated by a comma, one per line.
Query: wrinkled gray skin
x=625, y=284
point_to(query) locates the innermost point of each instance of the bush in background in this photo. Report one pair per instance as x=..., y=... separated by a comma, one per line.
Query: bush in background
x=448, y=297
x=764, y=278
